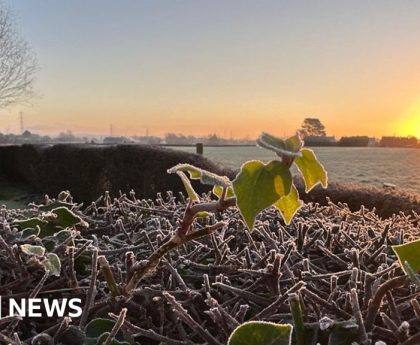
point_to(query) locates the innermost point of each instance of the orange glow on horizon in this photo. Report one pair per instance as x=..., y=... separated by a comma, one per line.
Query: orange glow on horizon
x=410, y=125
x=213, y=121
x=220, y=67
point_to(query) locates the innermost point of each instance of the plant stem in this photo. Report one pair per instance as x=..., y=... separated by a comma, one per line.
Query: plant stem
x=297, y=319
x=109, y=277
x=375, y=302
x=192, y=210
x=118, y=324
x=354, y=299
x=91, y=293
x=413, y=340
x=181, y=236
x=194, y=325
x=141, y=269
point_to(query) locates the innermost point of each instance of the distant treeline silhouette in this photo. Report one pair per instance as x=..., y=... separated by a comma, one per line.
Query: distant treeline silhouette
x=358, y=141
x=399, y=142
x=362, y=141
x=388, y=141
x=213, y=140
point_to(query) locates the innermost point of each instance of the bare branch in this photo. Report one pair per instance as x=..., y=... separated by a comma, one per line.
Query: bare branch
x=17, y=63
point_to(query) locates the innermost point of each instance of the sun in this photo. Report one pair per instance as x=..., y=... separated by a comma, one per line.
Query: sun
x=413, y=126
x=410, y=124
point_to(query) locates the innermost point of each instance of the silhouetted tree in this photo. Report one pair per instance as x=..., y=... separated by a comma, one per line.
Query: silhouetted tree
x=67, y=136
x=313, y=127
x=17, y=62
x=26, y=134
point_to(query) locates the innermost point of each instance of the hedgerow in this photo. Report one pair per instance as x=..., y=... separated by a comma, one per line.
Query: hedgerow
x=210, y=268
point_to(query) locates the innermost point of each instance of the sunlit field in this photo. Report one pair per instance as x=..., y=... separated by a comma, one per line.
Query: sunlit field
x=372, y=166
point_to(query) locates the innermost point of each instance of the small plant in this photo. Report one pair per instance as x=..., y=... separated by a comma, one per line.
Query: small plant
x=257, y=186
x=50, y=262
x=49, y=222
x=105, y=331
x=325, y=331
x=261, y=332
x=49, y=231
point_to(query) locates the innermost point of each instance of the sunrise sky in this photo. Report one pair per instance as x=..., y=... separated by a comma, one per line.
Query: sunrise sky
x=221, y=66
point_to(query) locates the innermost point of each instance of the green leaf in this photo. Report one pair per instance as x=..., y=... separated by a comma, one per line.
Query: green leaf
x=52, y=264
x=289, y=204
x=188, y=187
x=59, y=219
x=32, y=250
x=258, y=186
x=96, y=328
x=261, y=333
x=312, y=170
x=28, y=232
x=217, y=191
x=270, y=142
x=409, y=252
x=266, y=138
x=203, y=214
x=66, y=218
x=293, y=143
x=62, y=236
x=55, y=204
x=344, y=333
x=51, y=242
x=30, y=223
x=205, y=177
x=414, y=277
x=51, y=222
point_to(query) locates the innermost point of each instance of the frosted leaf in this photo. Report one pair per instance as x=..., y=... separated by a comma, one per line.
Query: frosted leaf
x=205, y=177
x=277, y=145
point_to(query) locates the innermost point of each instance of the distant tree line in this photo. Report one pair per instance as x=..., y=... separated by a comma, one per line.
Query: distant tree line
x=358, y=141
x=33, y=138
x=314, y=134
x=399, y=142
x=212, y=139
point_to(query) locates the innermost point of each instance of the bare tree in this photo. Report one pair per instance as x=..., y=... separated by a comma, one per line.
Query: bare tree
x=312, y=127
x=17, y=62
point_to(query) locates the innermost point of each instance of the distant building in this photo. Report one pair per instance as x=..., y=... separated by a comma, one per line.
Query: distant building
x=372, y=142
